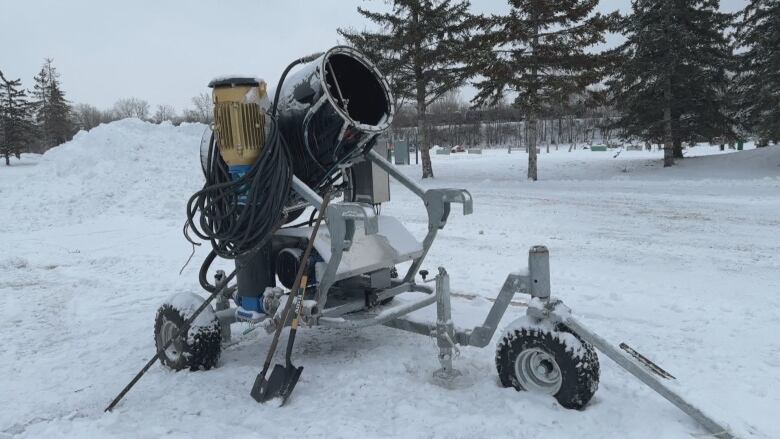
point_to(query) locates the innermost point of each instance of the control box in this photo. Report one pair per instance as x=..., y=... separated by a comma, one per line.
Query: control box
x=370, y=183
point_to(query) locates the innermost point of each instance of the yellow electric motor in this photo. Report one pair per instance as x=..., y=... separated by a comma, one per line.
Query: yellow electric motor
x=240, y=121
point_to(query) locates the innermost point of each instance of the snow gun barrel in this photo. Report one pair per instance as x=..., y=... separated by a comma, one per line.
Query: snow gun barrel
x=330, y=111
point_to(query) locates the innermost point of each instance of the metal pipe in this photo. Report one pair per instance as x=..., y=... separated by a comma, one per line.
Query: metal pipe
x=380, y=161
x=306, y=192
x=445, y=331
x=226, y=316
x=480, y=336
x=381, y=318
x=539, y=270
x=717, y=430
x=360, y=304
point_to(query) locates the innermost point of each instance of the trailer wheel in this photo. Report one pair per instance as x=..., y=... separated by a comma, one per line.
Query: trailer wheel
x=200, y=347
x=554, y=361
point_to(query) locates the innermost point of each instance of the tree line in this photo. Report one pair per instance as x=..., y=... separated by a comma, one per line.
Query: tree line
x=37, y=119
x=454, y=122
x=686, y=72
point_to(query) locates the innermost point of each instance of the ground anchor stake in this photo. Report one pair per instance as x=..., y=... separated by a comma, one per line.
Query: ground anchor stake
x=183, y=330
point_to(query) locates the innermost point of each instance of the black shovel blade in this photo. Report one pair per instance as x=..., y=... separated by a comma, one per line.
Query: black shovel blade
x=259, y=388
x=279, y=385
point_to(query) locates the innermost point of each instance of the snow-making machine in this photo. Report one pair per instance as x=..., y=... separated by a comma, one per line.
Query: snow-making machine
x=273, y=162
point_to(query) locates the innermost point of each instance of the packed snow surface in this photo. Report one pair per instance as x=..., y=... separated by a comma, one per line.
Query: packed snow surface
x=683, y=264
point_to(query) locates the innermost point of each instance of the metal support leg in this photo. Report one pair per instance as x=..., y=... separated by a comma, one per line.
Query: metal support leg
x=222, y=304
x=445, y=330
x=539, y=272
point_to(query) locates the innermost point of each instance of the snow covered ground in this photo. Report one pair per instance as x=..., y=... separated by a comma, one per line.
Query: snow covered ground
x=683, y=264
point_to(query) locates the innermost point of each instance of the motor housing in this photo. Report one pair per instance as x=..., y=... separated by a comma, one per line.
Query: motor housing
x=240, y=121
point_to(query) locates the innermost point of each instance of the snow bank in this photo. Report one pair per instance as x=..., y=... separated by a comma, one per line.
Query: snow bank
x=750, y=164
x=703, y=164
x=128, y=167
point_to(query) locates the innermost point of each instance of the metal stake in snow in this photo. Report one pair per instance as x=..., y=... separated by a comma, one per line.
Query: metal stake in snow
x=182, y=331
x=716, y=429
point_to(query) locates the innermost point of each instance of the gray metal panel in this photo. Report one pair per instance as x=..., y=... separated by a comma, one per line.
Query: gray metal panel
x=401, y=152
x=371, y=183
x=386, y=315
x=391, y=245
x=398, y=175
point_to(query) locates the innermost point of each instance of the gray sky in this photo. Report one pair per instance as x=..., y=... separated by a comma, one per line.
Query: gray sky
x=166, y=51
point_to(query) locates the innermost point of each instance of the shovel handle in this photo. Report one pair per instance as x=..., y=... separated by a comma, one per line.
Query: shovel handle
x=296, y=316
x=299, y=309
x=301, y=270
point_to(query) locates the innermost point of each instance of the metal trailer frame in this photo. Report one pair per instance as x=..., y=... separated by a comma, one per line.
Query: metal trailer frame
x=341, y=219
x=533, y=280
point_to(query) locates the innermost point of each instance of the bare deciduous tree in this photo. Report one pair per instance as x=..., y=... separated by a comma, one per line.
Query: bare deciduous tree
x=202, y=112
x=87, y=116
x=163, y=113
x=131, y=107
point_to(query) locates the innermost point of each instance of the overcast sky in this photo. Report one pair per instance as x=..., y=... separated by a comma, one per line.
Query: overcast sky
x=166, y=51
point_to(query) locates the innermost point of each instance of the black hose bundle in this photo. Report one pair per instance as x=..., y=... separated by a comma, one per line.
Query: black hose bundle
x=239, y=216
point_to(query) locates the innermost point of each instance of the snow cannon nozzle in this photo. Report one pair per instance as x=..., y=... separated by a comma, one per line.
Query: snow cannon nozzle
x=330, y=110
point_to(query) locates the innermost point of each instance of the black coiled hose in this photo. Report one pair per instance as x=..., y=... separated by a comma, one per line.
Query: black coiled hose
x=234, y=228
x=241, y=228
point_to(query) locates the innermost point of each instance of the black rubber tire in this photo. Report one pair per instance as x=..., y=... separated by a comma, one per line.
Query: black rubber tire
x=201, y=346
x=579, y=372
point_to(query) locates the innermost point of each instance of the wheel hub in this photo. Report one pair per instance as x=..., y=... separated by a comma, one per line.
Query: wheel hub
x=168, y=331
x=537, y=371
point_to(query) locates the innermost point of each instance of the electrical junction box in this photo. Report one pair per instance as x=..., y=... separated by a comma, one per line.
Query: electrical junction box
x=401, y=152
x=371, y=183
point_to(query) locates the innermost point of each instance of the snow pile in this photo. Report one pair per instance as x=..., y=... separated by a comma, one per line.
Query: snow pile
x=127, y=167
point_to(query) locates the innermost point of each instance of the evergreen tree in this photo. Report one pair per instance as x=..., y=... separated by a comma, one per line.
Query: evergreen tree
x=538, y=53
x=40, y=103
x=60, y=127
x=52, y=110
x=40, y=92
x=15, y=121
x=422, y=49
x=670, y=76
x=758, y=78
